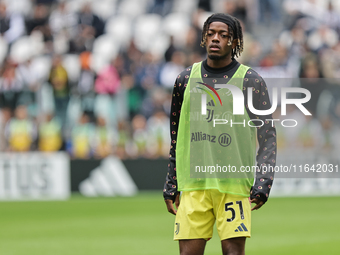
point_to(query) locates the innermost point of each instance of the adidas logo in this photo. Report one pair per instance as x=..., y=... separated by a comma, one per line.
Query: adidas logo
x=111, y=178
x=241, y=228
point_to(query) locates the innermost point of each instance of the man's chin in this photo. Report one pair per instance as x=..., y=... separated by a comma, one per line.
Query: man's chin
x=216, y=56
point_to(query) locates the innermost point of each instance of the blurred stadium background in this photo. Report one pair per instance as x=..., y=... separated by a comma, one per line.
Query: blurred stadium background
x=90, y=82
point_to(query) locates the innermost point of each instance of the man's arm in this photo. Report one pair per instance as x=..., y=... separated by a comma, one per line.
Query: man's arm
x=266, y=136
x=170, y=193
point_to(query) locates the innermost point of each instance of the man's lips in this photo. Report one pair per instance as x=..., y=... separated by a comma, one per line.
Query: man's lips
x=214, y=47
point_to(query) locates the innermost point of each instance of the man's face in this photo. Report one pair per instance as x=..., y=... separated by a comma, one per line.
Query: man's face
x=218, y=37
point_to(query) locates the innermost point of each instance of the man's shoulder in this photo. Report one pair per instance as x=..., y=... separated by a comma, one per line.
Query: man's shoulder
x=253, y=79
x=183, y=77
x=185, y=72
x=252, y=74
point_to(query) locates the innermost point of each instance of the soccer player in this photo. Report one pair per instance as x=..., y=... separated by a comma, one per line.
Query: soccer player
x=203, y=147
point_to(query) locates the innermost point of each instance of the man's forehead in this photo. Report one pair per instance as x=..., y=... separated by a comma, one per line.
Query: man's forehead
x=218, y=25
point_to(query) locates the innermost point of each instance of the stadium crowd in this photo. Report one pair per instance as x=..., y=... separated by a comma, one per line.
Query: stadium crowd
x=95, y=78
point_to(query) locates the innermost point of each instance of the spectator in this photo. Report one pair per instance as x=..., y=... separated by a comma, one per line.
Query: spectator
x=190, y=48
x=108, y=81
x=158, y=129
x=140, y=134
x=63, y=21
x=156, y=101
x=30, y=77
x=103, y=139
x=10, y=88
x=12, y=26
x=204, y=5
x=310, y=71
x=196, y=33
x=21, y=131
x=170, y=50
x=85, y=86
x=132, y=56
x=4, y=19
x=323, y=37
x=46, y=2
x=63, y=25
x=87, y=19
x=254, y=54
x=39, y=21
x=148, y=72
x=58, y=79
x=161, y=7
x=50, y=137
x=171, y=69
x=90, y=26
x=80, y=143
x=307, y=137
x=237, y=9
x=330, y=63
x=123, y=139
x=269, y=11
x=331, y=18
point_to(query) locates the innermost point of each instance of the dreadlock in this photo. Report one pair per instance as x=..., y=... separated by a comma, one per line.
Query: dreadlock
x=235, y=31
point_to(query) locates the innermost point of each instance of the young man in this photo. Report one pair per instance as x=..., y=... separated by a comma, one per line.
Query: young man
x=204, y=144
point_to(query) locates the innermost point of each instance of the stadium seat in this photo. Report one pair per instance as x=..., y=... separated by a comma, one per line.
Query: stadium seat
x=132, y=8
x=120, y=27
x=71, y=63
x=203, y=17
x=186, y=7
x=75, y=5
x=98, y=62
x=19, y=6
x=146, y=27
x=21, y=49
x=27, y=47
x=160, y=44
x=106, y=45
x=42, y=65
x=61, y=44
x=104, y=8
x=177, y=25
x=105, y=48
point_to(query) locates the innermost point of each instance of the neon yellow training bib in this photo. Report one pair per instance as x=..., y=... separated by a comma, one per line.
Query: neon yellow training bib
x=214, y=157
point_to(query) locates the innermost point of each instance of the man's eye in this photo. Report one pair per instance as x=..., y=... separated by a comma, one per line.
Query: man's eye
x=224, y=36
x=209, y=34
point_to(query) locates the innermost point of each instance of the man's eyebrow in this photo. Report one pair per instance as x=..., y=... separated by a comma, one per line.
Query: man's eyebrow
x=221, y=31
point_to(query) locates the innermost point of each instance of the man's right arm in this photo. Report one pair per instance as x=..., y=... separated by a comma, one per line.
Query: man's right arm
x=170, y=191
x=170, y=187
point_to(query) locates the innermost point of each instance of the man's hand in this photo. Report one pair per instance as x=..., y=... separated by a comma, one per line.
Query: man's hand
x=170, y=205
x=258, y=203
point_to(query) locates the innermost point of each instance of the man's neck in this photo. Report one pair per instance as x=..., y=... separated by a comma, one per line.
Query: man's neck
x=218, y=63
x=224, y=69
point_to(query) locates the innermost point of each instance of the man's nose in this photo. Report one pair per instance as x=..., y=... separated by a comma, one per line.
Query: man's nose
x=215, y=38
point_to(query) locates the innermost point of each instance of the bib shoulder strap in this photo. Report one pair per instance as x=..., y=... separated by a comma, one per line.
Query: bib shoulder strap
x=196, y=70
x=241, y=71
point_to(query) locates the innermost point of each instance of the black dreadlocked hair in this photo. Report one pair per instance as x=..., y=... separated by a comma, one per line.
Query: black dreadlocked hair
x=236, y=33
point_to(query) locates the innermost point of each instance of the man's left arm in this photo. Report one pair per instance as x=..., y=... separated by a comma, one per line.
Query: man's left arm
x=266, y=136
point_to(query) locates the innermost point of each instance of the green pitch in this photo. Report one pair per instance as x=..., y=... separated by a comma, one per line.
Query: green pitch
x=141, y=225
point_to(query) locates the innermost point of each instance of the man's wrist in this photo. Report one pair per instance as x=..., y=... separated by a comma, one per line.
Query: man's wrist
x=170, y=197
x=259, y=196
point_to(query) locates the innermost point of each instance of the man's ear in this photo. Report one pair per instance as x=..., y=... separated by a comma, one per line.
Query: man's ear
x=235, y=43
